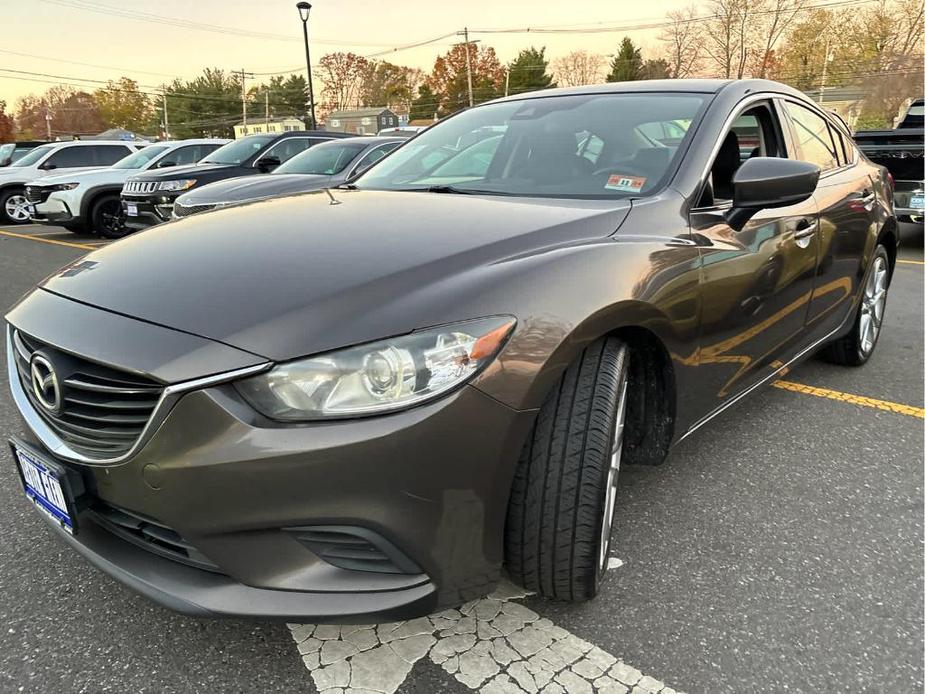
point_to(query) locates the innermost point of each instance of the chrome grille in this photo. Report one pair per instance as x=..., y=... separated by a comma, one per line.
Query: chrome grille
x=104, y=410
x=140, y=186
x=186, y=210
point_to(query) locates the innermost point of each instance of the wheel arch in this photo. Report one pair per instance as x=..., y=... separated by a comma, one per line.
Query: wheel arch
x=889, y=238
x=652, y=409
x=93, y=195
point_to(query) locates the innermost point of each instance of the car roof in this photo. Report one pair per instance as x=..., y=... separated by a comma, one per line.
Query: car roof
x=301, y=133
x=692, y=86
x=90, y=143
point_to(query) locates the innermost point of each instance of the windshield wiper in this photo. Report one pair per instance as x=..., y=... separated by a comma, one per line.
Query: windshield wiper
x=444, y=189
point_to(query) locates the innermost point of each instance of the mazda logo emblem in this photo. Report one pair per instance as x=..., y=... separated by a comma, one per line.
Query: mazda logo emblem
x=45, y=383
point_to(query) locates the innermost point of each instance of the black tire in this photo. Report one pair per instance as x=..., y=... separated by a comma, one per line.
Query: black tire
x=11, y=196
x=555, y=529
x=857, y=346
x=107, y=217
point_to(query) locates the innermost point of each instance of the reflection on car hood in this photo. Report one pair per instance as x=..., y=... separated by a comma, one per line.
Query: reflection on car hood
x=303, y=274
x=174, y=172
x=243, y=188
x=89, y=177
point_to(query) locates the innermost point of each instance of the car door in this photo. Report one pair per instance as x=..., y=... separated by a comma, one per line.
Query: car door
x=756, y=281
x=845, y=199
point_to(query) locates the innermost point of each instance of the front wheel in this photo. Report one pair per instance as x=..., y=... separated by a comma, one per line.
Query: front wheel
x=563, y=500
x=14, y=208
x=107, y=217
x=855, y=348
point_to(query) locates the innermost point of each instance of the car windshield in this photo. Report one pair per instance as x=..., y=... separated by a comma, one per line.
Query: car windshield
x=327, y=158
x=581, y=146
x=140, y=159
x=239, y=150
x=33, y=156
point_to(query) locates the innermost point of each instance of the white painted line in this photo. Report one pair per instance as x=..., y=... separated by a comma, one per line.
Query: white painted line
x=492, y=645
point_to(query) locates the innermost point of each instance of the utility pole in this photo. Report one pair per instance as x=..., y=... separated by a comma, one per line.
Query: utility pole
x=825, y=70
x=47, y=123
x=164, y=120
x=244, y=76
x=507, y=81
x=465, y=34
x=266, y=97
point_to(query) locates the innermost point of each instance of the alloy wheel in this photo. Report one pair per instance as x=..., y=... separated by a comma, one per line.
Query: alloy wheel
x=613, y=473
x=873, y=304
x=17, y=208
x=111, y=219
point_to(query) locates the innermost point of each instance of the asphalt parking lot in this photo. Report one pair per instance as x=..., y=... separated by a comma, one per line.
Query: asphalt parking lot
x=778, y=549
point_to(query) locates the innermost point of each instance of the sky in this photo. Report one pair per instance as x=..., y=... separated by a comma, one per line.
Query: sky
x=68, y=38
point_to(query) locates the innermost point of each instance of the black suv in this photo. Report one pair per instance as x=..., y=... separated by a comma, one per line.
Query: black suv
x=147, y=199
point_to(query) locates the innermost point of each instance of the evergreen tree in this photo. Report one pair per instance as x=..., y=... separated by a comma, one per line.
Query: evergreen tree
x=425, y=106
x=529, y=71
x=627, y=64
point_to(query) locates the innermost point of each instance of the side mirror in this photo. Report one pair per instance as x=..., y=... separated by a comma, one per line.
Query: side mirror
x=48, y=167
x=266, y=164
x=165, y=164
x=768, y=182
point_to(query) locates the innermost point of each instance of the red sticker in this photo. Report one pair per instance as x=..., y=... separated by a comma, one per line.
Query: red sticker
x=628, y=184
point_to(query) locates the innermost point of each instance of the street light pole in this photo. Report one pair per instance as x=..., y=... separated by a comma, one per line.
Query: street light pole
x=304, y=8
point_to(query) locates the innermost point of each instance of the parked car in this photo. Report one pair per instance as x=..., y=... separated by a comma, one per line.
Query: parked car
x=914, y=117
x=53, y=157
x=902, y=152
x=11, y=151
x=359, y=405
x=148, y=197
x=324, y=165
x=89, y=200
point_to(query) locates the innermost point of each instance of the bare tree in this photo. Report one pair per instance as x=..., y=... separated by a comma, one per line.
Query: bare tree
x=729, y=31
x=683, y=41
x=772, y=20
x=579, y=68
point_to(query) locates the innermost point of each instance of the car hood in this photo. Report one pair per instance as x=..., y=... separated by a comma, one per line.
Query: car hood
x=29, y=173
x=298, y=275
x=90, y=177
x=174, y=172
x=243, y=188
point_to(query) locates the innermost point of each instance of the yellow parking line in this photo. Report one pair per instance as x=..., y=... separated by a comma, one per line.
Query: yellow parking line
x=896, y=407
x=41, y=240
x=911, y=262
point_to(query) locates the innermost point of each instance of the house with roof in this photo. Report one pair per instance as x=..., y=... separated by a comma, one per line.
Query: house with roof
x=262, y=126
x=361, y=121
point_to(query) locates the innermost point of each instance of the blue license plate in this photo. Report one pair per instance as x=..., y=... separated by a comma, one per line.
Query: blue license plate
x=45, y=484
x=918, y=202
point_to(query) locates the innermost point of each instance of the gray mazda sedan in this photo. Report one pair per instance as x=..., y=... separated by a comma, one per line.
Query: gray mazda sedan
x=367, y=403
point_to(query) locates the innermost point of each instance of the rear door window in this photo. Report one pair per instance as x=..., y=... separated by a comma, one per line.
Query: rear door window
x=288, y=148
x=813, y=137
x=107, y=155
x=72, y=157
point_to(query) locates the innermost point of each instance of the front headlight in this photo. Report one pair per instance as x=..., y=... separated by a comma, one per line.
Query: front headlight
x=181, y=184
x=64, y=186
x=378, y=377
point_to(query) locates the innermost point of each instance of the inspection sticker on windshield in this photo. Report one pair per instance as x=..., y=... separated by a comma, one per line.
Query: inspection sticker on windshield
x=628, y=184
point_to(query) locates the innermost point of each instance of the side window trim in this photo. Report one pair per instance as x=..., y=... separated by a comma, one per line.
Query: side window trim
x=749, y=102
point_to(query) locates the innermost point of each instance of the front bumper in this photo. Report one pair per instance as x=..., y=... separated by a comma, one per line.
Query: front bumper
x=152, y=208
x=57, y=208
x=432, y=481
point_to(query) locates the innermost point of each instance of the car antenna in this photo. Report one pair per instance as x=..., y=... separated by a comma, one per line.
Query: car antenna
x=334, y=201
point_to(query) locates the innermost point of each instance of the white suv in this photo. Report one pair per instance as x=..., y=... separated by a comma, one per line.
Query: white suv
x=53, y=157
x=89, y=200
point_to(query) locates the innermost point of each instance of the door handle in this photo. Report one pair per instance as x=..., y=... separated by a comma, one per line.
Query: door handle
x=805, y=229
x=867, y=199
